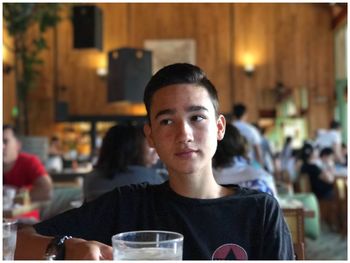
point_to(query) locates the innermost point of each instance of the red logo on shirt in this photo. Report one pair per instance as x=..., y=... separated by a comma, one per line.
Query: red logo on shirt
x=230, y=252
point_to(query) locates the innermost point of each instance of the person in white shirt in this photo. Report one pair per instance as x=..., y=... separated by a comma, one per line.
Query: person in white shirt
x=332, y=139
x=251, y=134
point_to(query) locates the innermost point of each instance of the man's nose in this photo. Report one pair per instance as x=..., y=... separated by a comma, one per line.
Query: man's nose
x=184, y=132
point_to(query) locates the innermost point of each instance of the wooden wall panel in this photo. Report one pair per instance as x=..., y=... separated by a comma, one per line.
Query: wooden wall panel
x=291, y=43
x=207, y=24
x=8, y=81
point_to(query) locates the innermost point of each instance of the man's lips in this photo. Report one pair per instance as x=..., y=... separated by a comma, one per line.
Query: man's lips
x=186, y=153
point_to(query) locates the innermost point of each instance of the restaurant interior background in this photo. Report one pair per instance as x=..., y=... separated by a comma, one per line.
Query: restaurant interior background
x=286, y=61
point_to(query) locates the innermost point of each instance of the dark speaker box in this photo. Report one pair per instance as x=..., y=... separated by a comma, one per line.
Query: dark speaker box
x=129, y=70
x=87, y=26
x=61, y=111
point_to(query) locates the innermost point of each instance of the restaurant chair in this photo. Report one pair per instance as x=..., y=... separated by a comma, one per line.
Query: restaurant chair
x=302, y=184
x=341, y=196
x=312, y=224
x=294, y=218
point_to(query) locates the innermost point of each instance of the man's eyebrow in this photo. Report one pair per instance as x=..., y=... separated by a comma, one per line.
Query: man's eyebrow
x=197, y=108
x=164, y=112
x=189, y=109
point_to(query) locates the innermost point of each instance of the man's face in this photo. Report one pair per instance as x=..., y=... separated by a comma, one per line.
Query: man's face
x=11, y=147
x=184, y=128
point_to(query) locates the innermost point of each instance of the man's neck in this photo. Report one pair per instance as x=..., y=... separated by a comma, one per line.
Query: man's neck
x=198, y=186
x=8, y=166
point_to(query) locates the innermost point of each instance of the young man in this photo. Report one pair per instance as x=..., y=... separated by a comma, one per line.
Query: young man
x=24, y=170
x=217, y=222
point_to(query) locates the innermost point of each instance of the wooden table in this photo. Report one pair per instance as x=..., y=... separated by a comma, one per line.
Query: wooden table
x=70, y=177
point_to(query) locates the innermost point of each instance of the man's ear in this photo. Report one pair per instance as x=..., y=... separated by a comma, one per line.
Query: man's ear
x=148, y=133
x=221, y=125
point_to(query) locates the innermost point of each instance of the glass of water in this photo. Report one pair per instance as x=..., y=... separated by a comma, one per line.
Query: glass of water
x=147, y=245
x=9, y=237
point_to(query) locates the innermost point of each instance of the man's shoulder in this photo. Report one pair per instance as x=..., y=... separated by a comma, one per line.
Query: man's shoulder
x=28, y=158
x=246, y=126
x=256, y=195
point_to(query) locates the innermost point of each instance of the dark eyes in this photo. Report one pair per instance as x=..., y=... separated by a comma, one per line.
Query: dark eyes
x=165, y=122
x=197, y=118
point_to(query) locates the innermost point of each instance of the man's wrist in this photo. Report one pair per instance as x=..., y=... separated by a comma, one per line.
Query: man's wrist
x=56, y=248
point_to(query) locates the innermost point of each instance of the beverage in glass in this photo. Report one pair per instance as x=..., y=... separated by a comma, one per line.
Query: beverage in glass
x=9, y=237
x=147, y=245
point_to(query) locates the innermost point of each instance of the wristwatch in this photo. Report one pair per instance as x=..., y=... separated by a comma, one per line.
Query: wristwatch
x=55, y=249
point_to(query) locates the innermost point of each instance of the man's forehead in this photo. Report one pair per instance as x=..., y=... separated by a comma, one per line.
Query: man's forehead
x=184, y=96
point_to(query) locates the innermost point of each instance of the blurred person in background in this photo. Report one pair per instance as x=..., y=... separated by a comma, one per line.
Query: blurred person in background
x=344, y=151
x=332, y=139
x=321, y=180
x=54, y=161
x=266, y=150
x=249, y=132
x=232, y=165
x=23, y=170
x=125, y=158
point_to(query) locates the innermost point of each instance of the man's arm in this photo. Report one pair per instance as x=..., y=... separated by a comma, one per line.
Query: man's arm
x=258, y=154
x=31, y=245
x=41, y=189
x=339, y=158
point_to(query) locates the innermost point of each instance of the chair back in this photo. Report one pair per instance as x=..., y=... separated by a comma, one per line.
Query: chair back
x=303, y=183
x=295, y=220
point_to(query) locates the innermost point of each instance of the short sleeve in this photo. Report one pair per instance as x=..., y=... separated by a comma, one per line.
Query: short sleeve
x=255, y=136
x=35, y=169
x=277, y=243
x=336, y=137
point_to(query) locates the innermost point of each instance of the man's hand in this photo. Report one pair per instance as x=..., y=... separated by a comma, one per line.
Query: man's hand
x=88, y=250
x=31, y=245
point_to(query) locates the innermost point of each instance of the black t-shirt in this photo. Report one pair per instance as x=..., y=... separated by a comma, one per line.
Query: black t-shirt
x=322, y=189
x=246, y=225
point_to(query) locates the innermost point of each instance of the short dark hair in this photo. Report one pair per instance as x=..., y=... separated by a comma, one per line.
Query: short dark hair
x=326, y=152
x=10, y=127
x=238, y=110
x=179, y=73
x=233, y=144
x=122, y=146
x=334, y=124
x=306, y=152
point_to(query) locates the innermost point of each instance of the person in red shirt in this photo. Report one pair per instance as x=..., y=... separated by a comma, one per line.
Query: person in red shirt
x=24, y=170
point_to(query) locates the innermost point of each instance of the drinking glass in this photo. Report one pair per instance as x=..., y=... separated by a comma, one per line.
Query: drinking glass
x=8, y=196
x=147, y=245
x=9, y=237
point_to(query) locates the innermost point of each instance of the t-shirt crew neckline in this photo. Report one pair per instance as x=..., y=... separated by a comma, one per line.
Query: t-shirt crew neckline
x=169, y=193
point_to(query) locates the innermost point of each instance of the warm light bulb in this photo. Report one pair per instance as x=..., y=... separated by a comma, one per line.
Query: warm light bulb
x=102, y=72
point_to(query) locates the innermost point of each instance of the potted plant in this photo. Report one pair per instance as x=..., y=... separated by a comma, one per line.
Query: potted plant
x=26, y=23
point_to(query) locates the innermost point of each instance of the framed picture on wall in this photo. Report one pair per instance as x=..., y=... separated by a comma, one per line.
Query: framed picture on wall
x=169, y=51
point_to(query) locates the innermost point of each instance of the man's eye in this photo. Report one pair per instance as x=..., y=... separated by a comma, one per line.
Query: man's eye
x=197, y=118
x=165, y=122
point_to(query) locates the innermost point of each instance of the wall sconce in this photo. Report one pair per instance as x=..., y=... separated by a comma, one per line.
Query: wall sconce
x=102, y=72
x=249, y=62
x=249, y=69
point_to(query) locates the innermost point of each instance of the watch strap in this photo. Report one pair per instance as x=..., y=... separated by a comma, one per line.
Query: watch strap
x=56, y=248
